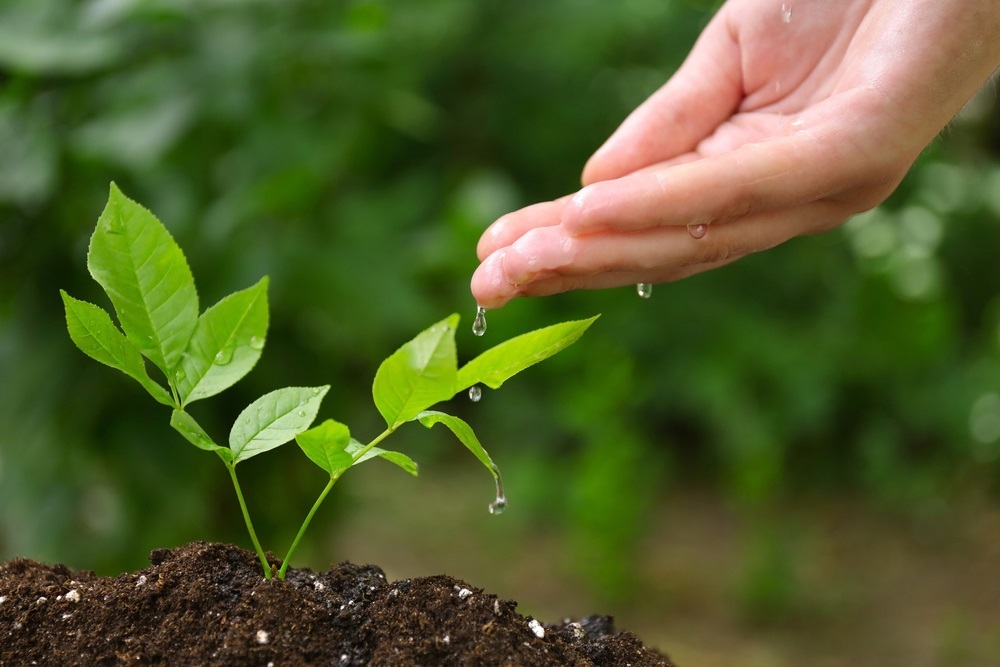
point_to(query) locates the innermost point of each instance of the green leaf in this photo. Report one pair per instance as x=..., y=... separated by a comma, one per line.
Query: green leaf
x=144, y=272
x=498, y=364
x=399, y=458
x=91, y=328
x=185, y=424
x=464, y=433
x=274, y=419
x=226, y=344
x=417, y=375
x=326, y=444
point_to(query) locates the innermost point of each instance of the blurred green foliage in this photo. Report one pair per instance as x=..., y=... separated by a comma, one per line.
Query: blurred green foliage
x=354, y=151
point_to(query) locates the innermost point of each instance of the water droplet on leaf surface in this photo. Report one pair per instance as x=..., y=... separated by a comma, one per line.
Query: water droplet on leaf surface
x=475, y=393
x=257, y=342
x=179, y=374
x=697, y=231
x=644, y=290
x=479, y=324
x=223, y=356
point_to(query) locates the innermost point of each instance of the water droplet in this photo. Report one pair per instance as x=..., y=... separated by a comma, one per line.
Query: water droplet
x=786, y=13
x=257, y=342
x=223, y=356
x=500, y=504
x=697, y=231
x=475, y=393
x=302, y=413
x=644, y=290
x=479, y=324
x=179, y=374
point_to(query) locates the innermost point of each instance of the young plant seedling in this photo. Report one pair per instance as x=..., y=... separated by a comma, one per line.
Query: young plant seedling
x=144, y=273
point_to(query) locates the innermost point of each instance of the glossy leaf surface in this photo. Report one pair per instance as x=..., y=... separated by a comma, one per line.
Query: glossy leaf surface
x=326, y=445
x=143, y=271
x=91, y=329
x=498, y=364
x=274, y=419
x=227, y=342
x=417, y=375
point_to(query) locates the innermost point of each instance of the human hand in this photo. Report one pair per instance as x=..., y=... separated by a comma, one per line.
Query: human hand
x=784, y=120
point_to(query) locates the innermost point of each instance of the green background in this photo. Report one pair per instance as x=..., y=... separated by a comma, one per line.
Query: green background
x=354, y=152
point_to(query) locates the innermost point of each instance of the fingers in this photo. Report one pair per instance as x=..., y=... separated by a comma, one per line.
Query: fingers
x=513, y=226
x=779, y=173
x=547, y=261
x=702, y=94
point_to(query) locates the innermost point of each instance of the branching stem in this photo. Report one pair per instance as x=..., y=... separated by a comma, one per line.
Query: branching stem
x=319, y=501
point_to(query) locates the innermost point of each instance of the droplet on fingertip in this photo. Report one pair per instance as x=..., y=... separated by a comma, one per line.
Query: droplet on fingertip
x=644, y=290
x=479, y=324
x=786, y=13
x=697, y=231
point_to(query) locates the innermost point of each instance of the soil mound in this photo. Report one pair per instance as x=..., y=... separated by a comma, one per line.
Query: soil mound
x=208, y=604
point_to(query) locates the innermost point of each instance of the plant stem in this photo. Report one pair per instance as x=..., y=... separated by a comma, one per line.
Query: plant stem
x=319, y=501
x=305, y=524
x=246, y=517
x=364, y=450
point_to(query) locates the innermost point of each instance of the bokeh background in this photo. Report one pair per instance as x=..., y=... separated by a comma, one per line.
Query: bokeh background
x=792, y=460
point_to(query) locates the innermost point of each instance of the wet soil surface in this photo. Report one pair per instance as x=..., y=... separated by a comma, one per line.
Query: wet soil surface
x=209, y=604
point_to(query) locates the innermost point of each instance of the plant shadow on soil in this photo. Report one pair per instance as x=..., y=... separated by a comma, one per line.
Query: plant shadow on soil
x=209, y=604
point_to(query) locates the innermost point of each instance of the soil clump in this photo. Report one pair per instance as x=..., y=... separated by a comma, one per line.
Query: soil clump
x=209, y=604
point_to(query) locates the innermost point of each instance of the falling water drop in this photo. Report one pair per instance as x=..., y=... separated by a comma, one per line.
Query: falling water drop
x=475, y=393
x=479, y=324
x=786, y=13
x=697, y=231
x=500, y=504
x=644, y=290
x=257, y=342
x=223, y=356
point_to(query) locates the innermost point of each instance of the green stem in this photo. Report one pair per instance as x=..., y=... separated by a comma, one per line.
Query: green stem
x=322, y=496
x=246, y=517
x=305, y=524
x=364, y=450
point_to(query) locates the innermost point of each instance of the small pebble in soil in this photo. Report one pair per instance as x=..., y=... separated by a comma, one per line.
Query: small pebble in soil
x=463, y=592
x=73, y=595
x=41, y=600
x=3, y=598
x=141, y=581
x=537, y=628
x=577, y=630
x=262, y=636
x=318, y=585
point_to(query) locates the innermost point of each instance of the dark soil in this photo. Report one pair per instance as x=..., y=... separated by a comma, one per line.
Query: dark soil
x=209, y=604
